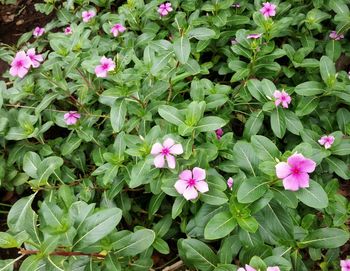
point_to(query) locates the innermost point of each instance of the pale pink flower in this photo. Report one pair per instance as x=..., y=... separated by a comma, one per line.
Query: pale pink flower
x=116, y=29
x=268, y=10
x=327, y=141
x=345, y=265
x=236, y=5
x=164, y=9
x=38, y=31
x=166, y=151
x=88, y=15
x=20, y=64
x=190, y=182
x=107, y=64
x=219, y=133
x=234, y=42
x=282, y=97
x=295, y=172
x=273, y=268
x=254, y=36
x=335, y=36
x=68, y=30
x=230, y=183
x=35, y=59
x=71, y=117
x=247, y=268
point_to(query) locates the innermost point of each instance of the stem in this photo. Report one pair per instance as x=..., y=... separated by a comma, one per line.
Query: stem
x=138, y=100
x=84, y=78
x=62, y=253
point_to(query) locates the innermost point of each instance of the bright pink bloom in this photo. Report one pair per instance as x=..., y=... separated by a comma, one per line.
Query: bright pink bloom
x=88, y=15
x=345, y=265
x=335, y=36
x=164, y=9
x=230, y=183
x=295, y=172
x=190, y=182
x=268, y=10
x=35, y=59
x=167, y=151
x=327, y=141
x=38, y=31
x=282, y=97
x=71, y=117
x=68, y=30
x=273, y=268
x=254, y=36
x=20, y=64
x=107, y=65
x=219, y=132
x=116, y=29
x=247, y=268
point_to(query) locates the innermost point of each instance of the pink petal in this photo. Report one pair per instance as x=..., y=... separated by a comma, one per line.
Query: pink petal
x=22, y=72
x=295, y=159
x=180, y=186
x=277, y=94
x=71, y=120
x=202, y=186
x=249, y=268
x=66, y=116
x=285, y=104
x=100, y=72
x=277, y=102
x=13, y=71
x=198, y=174
x=308, y=165
x=171, y=161
x=169, y=142
x=159, y=161
x=156, y=148
x=327, y=145
x=190, y=193
x=176, y=149
x=273, y=268
x=282, y=170
x=303, y=180
x=291, y=182
x=185, y=175
x=322, y=140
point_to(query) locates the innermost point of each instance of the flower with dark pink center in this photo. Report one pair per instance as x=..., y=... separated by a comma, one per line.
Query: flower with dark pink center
x=326, y=141
x=68, y=30
x=88, y=15
x=345, y=265
x=164, y=9
x=268, y=10
x=166, y=151
x=335, y=36
x=71, y=117
x=254, y=36
x=20, y=64
x=219, y=133
x=282, y=97
x=107, y=65
x=116, y=29
x=35, y=59
x=190, y=182
x=38, y=31
x=230, y=183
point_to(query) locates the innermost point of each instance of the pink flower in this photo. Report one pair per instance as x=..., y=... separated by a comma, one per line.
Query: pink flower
x=164, y=9
x=282, y=97
x=273, y=268
x=268, y=10
x=35, y=59
x=116, y=29
x=88, y=15
x=71, y=117
x=345, y=265
x=295, y=172
x=167, y=150
x=230, y=183
x=247, y=268
x=190, y=182
x=219, y=132
x=335, y=36
x=234, y=42
x=20, y=64
x=327, y=141
x=107, y=64
x=236, y=5
x=254, y=36
x=68, y=30
x=38, y=31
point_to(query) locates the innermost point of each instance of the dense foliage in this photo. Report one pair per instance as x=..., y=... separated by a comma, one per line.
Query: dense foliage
x=213, y=131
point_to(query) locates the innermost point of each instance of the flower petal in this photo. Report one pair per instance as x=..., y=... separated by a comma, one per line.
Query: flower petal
x=295, y=159
x=169, y=142
x=156, y=148
x=202, y=186
x=190, y=193
x=282, y=170
x=100, y=71
x=307, y=165
x=303, y=179
x=181, y=186
x=159, y=161
x=198, y=174
x=291, y=182
x=185, y=175
x=176, y=149
x=171, y=161
x=273, y=268
x=249, y=268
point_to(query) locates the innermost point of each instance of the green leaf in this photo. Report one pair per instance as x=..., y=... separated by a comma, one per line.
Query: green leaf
x=182, y=48
x=160, y=62
x=177, y=207
x=31, y=263
x=207, y=124
x=71, y=144
x=253, y=124
x=31, y=162
x=248, y=224
x=254, y=87
x=285, y=197
x=214, y=197
x=325, y=238
x=343, y=118
x=327, y=70
x=251, y=189
x=278, y=122
x=199, y=254
x=138, y=242
x=339, y=167
x=155, y=203
x=47, y=167
x=306, y=106
x=309, y=88
x=161, y=246
x=343, y=148
x=118, y=113
x=268, y=87
x=333, y=49
x=219, y=226
x=45, y=102
x=314, y=196
x=139, y=173
x=201, y=33
x=171, y=114
x=245, y=157
x=266, y=149
x=7, y=240
x=293, y=123
x=97, y=226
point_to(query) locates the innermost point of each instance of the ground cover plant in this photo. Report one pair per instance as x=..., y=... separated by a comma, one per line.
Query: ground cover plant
x=150, y=135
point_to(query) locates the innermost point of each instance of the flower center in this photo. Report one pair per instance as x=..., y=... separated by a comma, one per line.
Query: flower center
x=191, y=182
x=165, y=151
x=105, y=66
x=19, y=63
x=296, y=170
x=283, y=98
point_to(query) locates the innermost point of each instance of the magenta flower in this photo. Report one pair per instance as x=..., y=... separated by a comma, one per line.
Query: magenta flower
x=273, y=268
x=230, y=183
x=247, y=268
x=107, y=65
x=295, y=172
x=38, y=31
x=219, y=132
x=254, y=36
x=268, y=10
x=20, y=64
x=335, y=36
x=116, y=29
x=88, y=15
x=68, y=30
x=35, y=59
x=164, y=9
x=282, y=97
x=327, y=141
x=345, y=265
x=71, y=117
x=167, y=151
x=190, y=182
